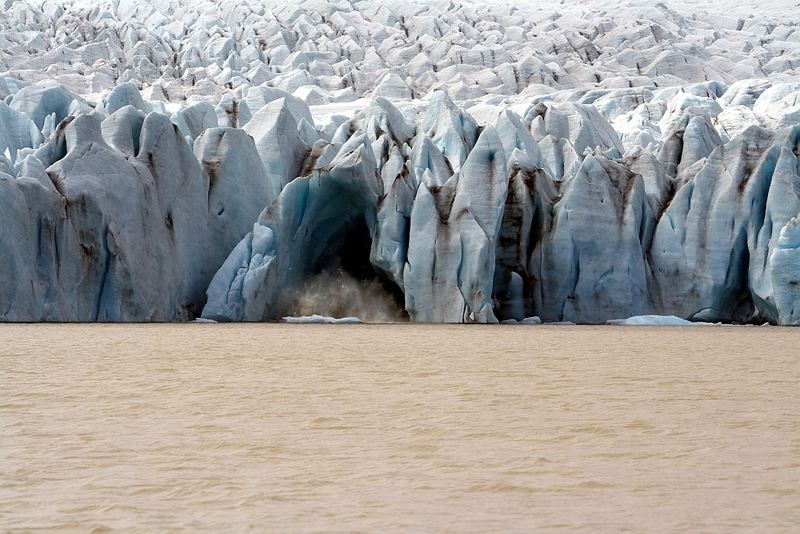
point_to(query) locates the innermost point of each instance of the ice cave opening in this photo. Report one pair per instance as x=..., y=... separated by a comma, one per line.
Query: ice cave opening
x=341, y=281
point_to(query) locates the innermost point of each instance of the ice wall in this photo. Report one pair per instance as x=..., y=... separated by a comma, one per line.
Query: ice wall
x=456, y=162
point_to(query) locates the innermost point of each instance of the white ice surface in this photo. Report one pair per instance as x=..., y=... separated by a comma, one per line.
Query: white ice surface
x=321, y=319
x=477, y=161
x=654, y=320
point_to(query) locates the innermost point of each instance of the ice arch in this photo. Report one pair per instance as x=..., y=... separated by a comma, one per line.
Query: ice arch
x=321, y=225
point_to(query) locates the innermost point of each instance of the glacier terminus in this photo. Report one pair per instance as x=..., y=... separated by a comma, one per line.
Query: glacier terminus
x=446, y=161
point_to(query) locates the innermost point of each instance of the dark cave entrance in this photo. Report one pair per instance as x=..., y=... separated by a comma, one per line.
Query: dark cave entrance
x=340, y=281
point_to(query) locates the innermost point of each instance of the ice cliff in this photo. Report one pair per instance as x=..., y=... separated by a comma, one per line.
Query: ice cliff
x=437, y=162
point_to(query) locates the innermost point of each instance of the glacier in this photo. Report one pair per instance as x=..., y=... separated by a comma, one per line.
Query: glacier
x=444, y=161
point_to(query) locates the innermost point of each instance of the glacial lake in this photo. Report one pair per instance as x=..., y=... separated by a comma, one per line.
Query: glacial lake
x=269, y=427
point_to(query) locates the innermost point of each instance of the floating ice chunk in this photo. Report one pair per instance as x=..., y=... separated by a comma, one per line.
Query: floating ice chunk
x=527, y=320
x=321, y=319
x=654, y=320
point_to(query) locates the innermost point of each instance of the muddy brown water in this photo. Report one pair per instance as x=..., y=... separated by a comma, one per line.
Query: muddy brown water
x=267, y=427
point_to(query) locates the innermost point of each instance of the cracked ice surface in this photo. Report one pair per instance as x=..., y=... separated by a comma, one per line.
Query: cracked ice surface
x=462, y=161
